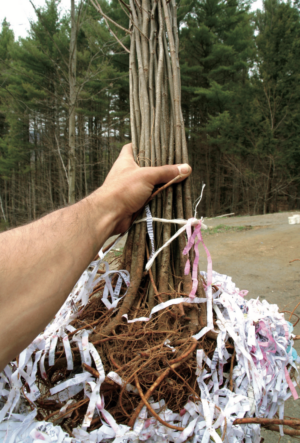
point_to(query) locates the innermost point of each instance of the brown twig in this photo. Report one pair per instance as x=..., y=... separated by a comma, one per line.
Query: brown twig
x=92, y=371
x=125, y=337
x=162, y=188
x=68, y=411
x=114, y=362
x=148, y=394
x=231, y=370
x=152, y=279
x=89, y=325
x=126, y=6
x=32, y=405
x=287, y=431
x=184, y=381
x=157, y=294
x=81, y=403
x=294, y=310
x=292, y=313
x=176, y=362
x=97, y=6
x=199, y=399
x=148, y=353
x=98, y=288
x=125, y=384
x=151, y=410
x=266, y=421
x=186, y=354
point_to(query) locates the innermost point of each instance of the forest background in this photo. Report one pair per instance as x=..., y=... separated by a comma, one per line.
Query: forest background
x=64, y=105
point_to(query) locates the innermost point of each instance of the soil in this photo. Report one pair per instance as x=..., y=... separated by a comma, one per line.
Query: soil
x=258, y=257
x=259, y=260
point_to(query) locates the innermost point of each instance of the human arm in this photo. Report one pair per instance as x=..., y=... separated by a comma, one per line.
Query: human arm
x=41, y=262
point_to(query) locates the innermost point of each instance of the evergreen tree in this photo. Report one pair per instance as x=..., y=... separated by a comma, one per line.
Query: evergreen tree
x=6, y=40
x=218, y=45
x=239, y=94
x=259, y=132
x=39, y=85
x=277, y=83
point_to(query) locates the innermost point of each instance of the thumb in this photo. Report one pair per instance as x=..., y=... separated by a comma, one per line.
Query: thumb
x=126, y=152
x=164, y=174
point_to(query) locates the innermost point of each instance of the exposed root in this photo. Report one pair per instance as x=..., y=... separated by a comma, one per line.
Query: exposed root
x=151, y=410
x=267, y=421
x=287, y=431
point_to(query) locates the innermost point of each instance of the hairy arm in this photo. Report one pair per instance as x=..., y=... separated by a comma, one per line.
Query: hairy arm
x=41, y=262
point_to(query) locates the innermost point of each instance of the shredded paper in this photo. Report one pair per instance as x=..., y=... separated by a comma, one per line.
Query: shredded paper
x=263, y=342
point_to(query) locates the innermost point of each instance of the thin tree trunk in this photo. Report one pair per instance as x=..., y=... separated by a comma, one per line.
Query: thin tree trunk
x=72, y=105
x=32, y=173
x=158, y=137
x=2, y=210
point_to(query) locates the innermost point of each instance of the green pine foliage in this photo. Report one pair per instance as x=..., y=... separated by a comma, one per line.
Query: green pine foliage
x=240, y=95
x=257, y=132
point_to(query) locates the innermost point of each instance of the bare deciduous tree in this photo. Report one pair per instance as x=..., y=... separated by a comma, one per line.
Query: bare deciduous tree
x=73, y=96
x=158, y=138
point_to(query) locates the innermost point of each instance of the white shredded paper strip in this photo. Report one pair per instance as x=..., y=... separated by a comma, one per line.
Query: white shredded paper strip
x=261, y=378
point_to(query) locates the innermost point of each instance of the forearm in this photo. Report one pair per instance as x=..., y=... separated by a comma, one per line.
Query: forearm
x=40, y=264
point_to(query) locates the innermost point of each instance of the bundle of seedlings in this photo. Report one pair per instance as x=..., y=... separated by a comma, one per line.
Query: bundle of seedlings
x=147, y=347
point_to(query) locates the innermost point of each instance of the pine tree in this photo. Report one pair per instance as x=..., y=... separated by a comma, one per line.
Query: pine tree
x=6, y=40
x=278, y=95
x=259, y=131
x=217, y=45
x=247, y=156
x=36, y=104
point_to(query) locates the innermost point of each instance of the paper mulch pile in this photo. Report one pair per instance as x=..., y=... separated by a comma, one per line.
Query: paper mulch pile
x=64, y=388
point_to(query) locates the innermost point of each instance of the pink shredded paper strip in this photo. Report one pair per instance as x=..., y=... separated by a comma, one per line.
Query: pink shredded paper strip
x=209, y=261
x=290, y=383
x=193, y=240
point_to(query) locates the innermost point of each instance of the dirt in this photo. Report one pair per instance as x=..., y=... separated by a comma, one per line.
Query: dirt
x=258, y=259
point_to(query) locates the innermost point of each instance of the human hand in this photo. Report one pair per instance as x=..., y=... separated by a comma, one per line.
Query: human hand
x=129, y=186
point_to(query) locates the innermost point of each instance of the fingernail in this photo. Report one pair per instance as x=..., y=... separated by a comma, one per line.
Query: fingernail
x=184, y=169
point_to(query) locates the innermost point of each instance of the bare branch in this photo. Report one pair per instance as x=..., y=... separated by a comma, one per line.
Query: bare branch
x=61, y=159
x=106, y=17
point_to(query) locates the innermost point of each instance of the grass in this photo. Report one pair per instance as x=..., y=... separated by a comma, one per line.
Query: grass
x=221, y=229
x=118, y=252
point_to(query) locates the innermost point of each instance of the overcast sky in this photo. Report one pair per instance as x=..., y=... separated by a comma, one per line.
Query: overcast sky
x=18, y=13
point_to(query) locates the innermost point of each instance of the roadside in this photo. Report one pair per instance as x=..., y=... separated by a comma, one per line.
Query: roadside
x=258, y=259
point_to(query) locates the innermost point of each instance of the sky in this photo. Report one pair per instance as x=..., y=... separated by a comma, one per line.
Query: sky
x=19, y=12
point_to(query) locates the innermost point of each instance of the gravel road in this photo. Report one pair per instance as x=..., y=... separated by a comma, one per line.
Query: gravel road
x=258, y=260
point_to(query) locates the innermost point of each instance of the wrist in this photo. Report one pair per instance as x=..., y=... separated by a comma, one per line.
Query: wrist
x=103, y=214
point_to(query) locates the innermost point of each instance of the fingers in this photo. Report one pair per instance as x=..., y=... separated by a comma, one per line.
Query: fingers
x=164, y=174
x=160, y=174
x=126, y=151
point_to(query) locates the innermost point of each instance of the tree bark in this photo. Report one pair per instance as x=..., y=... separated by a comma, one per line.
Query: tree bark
x=158, y=137
x=72, y=105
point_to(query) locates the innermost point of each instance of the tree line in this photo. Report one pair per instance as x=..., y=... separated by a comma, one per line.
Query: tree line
x=64, y=104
